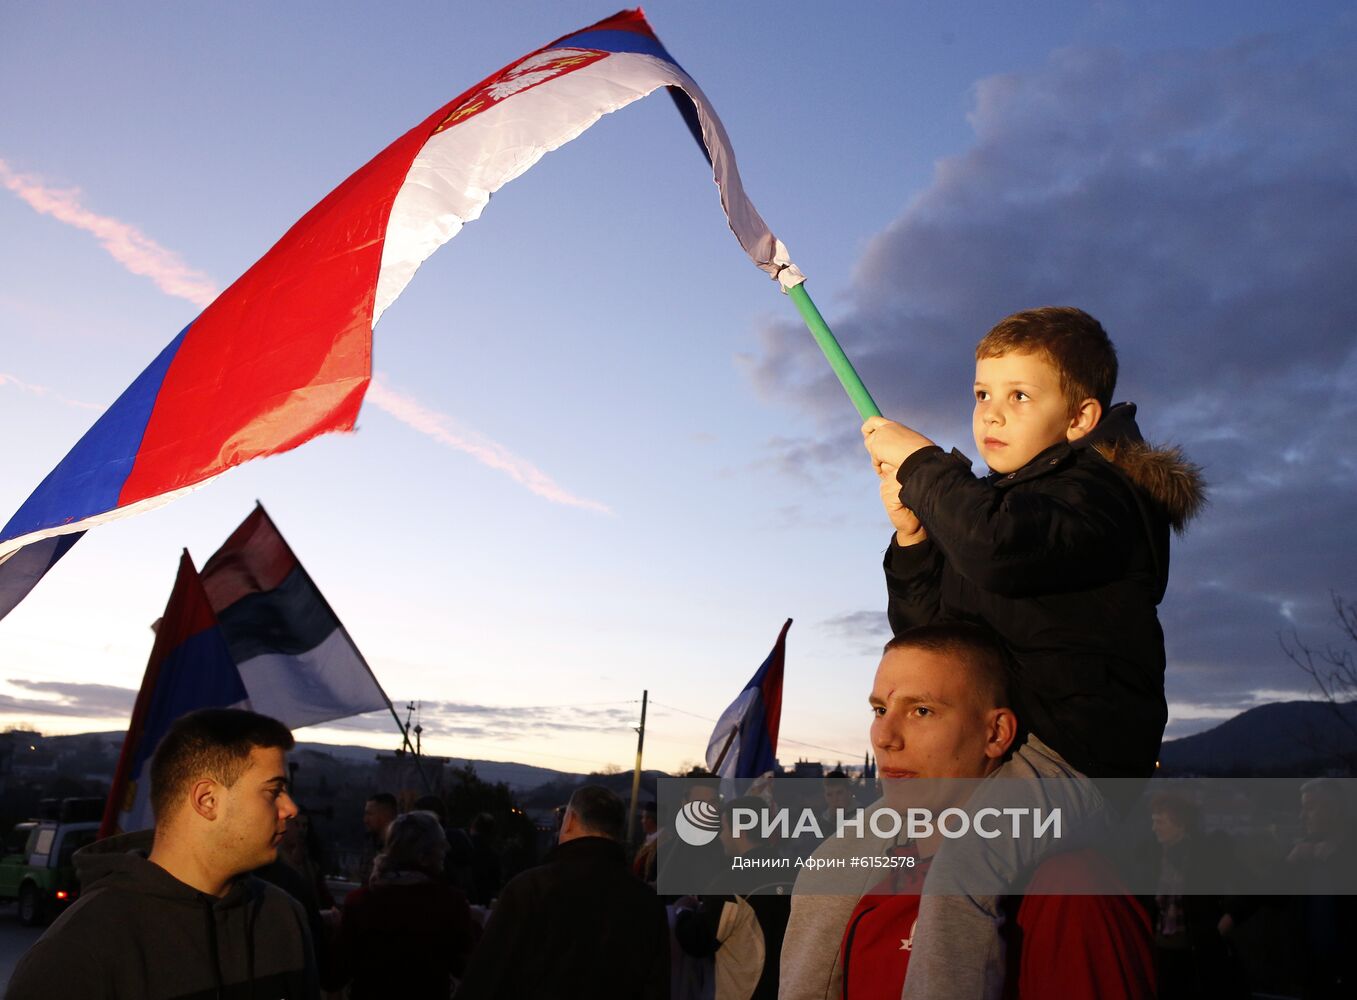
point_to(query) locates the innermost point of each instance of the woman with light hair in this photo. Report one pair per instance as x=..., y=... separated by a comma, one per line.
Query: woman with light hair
x=407, y=933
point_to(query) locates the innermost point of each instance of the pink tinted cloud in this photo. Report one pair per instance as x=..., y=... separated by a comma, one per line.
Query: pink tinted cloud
x=125, y=243
x=141, y=255
x=441, y=428
x=44, y=391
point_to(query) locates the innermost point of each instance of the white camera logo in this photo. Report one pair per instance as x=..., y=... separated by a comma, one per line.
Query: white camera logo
x=698, y=823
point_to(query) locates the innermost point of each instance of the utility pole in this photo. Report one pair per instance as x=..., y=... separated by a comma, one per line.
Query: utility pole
x=636, y=775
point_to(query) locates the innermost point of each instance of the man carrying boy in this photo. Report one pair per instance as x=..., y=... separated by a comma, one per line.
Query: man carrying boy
x=1063, y=551
x=1075, y=946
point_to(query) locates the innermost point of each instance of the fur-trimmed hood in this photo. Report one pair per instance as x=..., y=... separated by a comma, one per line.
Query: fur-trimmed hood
x=1164, y=473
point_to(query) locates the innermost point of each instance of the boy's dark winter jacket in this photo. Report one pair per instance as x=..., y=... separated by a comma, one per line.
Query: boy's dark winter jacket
x=1066, y=559
x=139, y=933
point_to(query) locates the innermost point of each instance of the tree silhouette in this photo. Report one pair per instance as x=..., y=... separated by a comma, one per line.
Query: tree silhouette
x=1332, y=668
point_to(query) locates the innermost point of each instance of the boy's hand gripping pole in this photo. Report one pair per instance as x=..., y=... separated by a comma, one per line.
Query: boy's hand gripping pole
x=843, y=368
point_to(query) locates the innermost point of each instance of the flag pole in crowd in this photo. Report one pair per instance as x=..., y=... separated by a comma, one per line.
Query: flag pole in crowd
x=636, y=773
x=349, y=644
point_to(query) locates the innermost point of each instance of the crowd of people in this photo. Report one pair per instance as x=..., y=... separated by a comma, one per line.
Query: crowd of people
x=1027, y=665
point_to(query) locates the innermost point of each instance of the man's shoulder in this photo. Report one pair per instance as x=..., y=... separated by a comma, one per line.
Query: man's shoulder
x=105, y=907
x=98, y=926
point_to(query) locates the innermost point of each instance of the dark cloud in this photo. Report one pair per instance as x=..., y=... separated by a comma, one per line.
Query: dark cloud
x=69, y=699
x=866, y=631
x=1202, y=204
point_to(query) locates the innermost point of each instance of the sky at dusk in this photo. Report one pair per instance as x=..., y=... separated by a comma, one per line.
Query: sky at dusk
x=601, y=453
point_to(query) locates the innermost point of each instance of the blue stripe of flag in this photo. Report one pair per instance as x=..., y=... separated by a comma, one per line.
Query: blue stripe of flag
x=89, y=480
x=198, y=673
x=618, y=41
x=756, y=749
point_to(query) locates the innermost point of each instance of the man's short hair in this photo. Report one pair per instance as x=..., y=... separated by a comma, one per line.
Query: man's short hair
x=210, y=743
x=432, y=804
x=384, y=799
x=1327, y=788
x=1072, y=340
x=599, y=811
x=973, y=645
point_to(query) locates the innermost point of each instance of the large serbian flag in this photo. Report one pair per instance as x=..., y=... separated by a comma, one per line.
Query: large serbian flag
x=190, y=668
x=294, y=656
x=285, y=353
x=744, y=742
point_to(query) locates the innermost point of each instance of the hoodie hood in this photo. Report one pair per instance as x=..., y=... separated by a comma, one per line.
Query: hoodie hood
x=1164, y=473
x=123, y=862
x=137, y=931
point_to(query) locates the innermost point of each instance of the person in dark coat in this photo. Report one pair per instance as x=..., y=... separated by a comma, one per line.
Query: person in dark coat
x=486, y=876
x=407, y=933
x=1192, y=917
x=1325, y=862
x=579, y=925
x=697, y=929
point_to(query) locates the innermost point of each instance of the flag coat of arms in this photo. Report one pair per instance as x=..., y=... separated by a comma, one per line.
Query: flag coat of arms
x=285, y=353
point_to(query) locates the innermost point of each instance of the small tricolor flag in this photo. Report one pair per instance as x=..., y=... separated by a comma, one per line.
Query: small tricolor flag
x=744, y=742
x=294, y=656
x=190, y=668
x=252, y=631
x=285, y=353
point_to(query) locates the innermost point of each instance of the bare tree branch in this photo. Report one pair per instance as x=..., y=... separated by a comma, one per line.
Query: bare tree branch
x=1333, y=669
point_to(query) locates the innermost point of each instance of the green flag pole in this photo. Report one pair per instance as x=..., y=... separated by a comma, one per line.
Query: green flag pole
x=843, y=368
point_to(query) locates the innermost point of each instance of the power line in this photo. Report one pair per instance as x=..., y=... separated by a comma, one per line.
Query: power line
x=845, y=754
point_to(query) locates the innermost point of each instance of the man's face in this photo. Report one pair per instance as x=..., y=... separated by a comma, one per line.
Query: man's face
x=1319, y=815
x=254, y=812
x=1020, y=410
x=1167, y=829
x=838, y=796
x=928, y=721
x=376, y=817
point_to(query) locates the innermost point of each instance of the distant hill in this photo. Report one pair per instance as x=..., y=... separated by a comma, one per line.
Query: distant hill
x=98, y=756
x=1291, y=739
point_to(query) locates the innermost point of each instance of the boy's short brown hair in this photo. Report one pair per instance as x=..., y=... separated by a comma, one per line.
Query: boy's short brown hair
x=212, y=742
x=1071, y=339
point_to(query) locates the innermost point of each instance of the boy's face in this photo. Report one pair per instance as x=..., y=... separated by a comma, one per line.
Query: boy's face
x=1020, y=410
